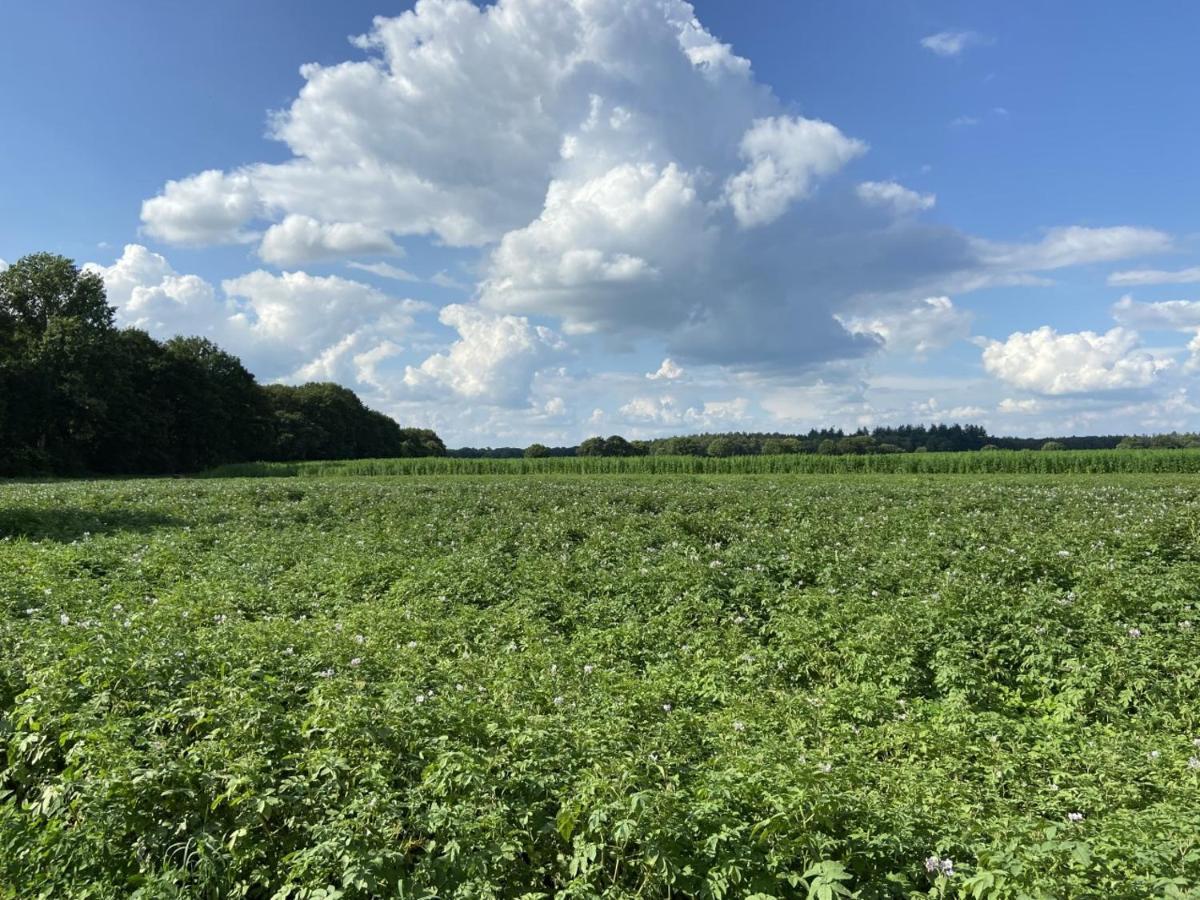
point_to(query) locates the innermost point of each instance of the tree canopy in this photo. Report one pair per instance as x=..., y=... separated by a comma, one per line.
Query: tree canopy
x=79, y=395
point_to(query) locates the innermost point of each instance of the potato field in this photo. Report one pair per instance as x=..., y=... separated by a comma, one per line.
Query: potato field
x=822, y=686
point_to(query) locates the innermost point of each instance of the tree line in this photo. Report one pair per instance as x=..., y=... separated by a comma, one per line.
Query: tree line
x=833, y=442
x=80, y=395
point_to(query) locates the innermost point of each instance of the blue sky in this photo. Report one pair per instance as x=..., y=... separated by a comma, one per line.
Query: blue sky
x=542, y=220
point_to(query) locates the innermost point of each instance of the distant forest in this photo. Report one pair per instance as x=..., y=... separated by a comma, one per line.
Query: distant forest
x=835, y=442
x=78, y=395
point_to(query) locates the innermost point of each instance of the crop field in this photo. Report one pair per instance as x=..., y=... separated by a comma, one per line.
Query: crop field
x=978, y=686
x=1009, y=462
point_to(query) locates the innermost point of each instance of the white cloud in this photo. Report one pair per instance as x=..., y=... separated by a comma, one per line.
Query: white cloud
x=1011, y=406
x=667, y=411
x=951, y=43
x=580, y=259
x=282, y=326
x=1166, y=315
x=784, y=156
x=208, y=208
x=1155, y=276
x=896, y=197
x=924, y=326
x=1076, y=245
x=933, y=411
x=668, y=371
x=654, y=189
x=302, y=239
x=385, y=270
x=1051, y=363
x=492, y=362
x=150, y=295
x=3, y=265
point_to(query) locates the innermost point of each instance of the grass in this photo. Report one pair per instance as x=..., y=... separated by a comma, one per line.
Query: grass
x=618, y=687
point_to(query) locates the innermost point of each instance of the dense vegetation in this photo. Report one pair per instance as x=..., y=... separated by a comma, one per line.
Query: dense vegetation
x=833, y=442
x=1013, y=462
x=610, y=687
x=79, y=395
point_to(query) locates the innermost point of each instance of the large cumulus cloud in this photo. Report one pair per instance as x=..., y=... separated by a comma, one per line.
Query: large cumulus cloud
x=620, y=172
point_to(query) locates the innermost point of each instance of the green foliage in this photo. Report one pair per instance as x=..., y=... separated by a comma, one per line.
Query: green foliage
x=1010, y=462
x=1054, y=445
x=536, y=451
x=78, y=396
x=622, y=687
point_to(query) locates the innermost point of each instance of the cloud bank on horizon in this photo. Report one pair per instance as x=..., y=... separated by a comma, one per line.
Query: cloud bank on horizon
x=619, y=185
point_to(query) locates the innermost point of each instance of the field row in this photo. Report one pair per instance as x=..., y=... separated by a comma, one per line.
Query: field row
x=1014, y=462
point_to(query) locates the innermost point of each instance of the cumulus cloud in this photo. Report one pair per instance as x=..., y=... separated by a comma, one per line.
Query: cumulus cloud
x=784, y=156
x=3, y=265
x=1155, y=276
x=209, y=208
x=282, y=326
x=1051, y=363
x=667, y=411
x=150, y=295
x=668, y=371
x=655, y=190
x=1166, y=315
x=927, y=325
x=951, y=43
x=893, y=196
x=302, y=239
x=493, y=360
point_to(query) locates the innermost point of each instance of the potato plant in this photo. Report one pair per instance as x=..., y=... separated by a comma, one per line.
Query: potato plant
x=778, y=686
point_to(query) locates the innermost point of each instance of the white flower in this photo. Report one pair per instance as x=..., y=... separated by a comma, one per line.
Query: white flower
x=325, y=673
x=219, y=619
x=558, y=701
x=739, y=726
x=1135, y=632
x=289, y=651
x=64, y=619
x=588, y=669
x=1185, y=624
x=1154, y=754
x=356, y=662
x=1075, y=817
x=337, y=626
x=358, y=639
x=666, y=707
x=826, y=767
x=738, y=620
x=1194, y=762
x=935, y=865
x=412, y=645
x=420, y=698
x=46, y=591
x=1064, y=553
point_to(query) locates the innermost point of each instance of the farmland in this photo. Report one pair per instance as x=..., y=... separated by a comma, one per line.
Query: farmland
x=774, y=685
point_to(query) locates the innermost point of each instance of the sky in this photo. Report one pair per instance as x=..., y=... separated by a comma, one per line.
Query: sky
x=541, y=220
